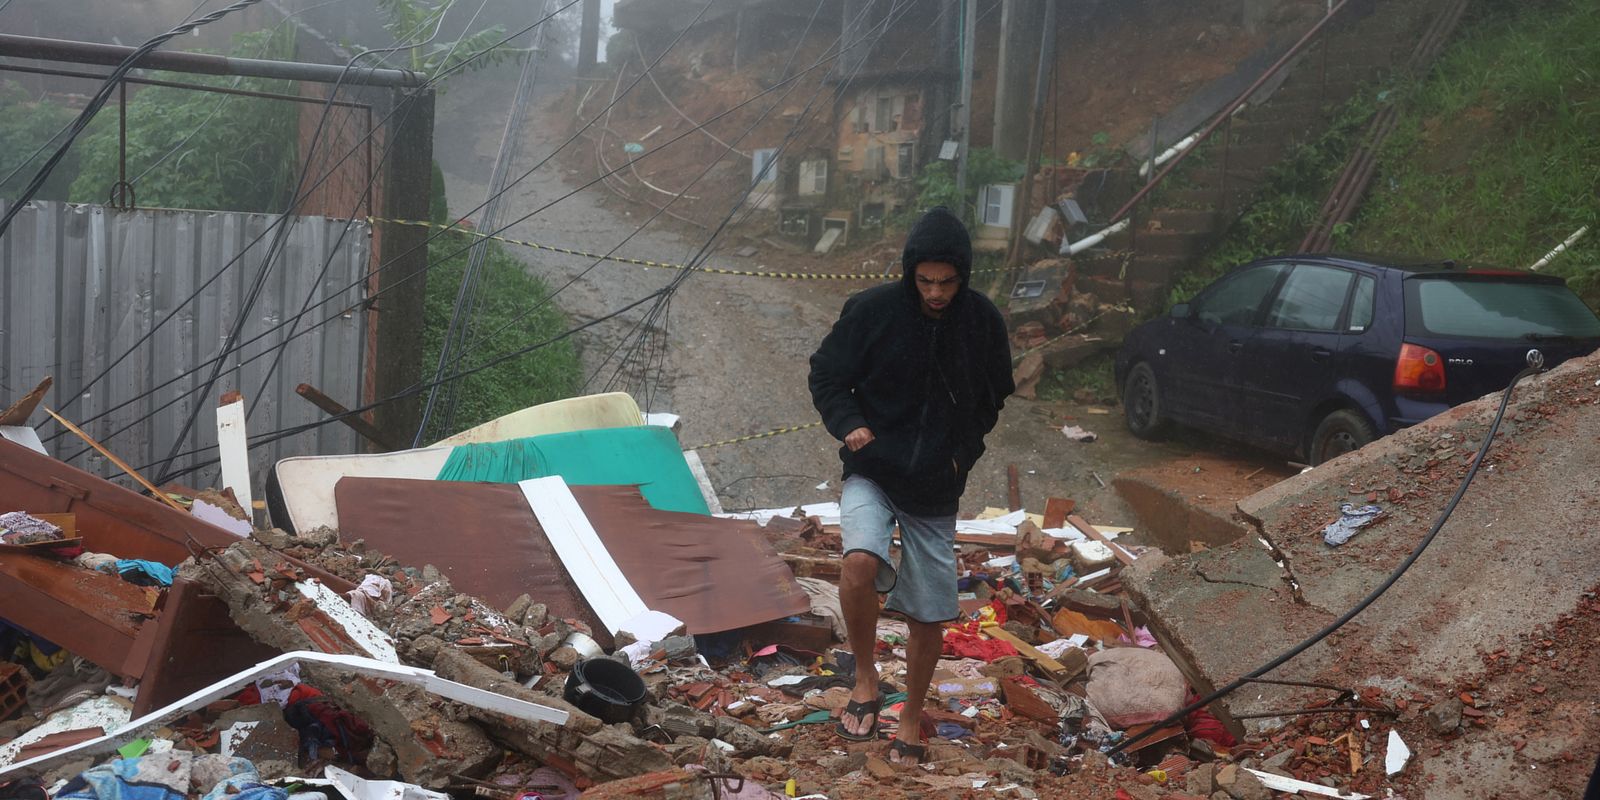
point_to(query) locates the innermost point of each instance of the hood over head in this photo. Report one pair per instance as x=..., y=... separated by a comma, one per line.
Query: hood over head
x=939, y=235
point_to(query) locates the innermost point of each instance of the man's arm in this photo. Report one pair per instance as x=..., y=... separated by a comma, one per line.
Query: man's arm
x=835, y=368
x=994, y=370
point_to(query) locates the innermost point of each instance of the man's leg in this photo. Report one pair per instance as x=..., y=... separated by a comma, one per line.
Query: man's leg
x=926, y=590
x=922, y=656
x=859, y=600
x=868, y=527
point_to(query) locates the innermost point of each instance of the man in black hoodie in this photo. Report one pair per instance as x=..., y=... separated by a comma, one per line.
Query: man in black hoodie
x=911, y=378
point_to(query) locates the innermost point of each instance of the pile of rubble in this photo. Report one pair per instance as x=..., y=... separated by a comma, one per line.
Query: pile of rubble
x=531, y=639
x=1044, y=675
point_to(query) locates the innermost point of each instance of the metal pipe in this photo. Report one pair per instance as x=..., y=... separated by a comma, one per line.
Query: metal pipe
x=969, y=35
x=1227, y=112
x=198, y=87
x=14, y=46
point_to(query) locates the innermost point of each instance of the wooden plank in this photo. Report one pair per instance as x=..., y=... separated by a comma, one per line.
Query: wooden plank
x=1055, y=669
x=1013, y=487
x=18, y=413
x=1056, y=510
x=234, y=447
x=1089, y=530
x=334, y=408
x=122, y=465
x=68, y=523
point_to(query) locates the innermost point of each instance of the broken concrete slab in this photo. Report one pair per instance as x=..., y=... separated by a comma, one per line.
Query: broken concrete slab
x=349, y=674
x=580, y=746
x=1501, y=539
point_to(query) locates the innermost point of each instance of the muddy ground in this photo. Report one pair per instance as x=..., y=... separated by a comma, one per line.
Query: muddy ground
x=736, y=359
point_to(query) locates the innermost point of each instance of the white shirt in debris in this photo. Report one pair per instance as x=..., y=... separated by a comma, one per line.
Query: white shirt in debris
x=276, y=686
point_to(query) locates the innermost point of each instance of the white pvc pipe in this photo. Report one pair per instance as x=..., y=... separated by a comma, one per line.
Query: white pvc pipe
x=1560, y=248
x=1088, y=242
x=1171, y=153
x=1184, y=144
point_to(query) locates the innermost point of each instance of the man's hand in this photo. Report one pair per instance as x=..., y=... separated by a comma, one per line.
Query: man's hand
x=858, y=438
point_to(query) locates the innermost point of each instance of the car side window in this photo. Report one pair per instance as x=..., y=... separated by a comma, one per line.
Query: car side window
x=1236, y=299
x=1362, y=303
x=1311, y=299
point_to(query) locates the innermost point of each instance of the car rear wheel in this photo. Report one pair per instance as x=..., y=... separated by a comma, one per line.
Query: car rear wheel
x=1339, y=433
x=1141, y=403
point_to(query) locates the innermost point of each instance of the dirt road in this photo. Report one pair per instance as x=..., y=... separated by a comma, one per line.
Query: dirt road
x=737, y=352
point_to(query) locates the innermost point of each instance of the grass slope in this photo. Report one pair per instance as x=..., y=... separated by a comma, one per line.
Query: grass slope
x=1497, y=157
x=513, y=312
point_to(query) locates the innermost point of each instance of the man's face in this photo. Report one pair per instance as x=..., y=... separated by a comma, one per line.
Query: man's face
x=937, y=284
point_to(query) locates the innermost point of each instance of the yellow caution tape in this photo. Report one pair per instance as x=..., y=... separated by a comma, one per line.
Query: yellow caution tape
x=755, y=436
x=791, y=276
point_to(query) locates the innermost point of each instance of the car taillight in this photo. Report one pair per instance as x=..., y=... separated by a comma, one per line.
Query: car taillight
x=1418, y=371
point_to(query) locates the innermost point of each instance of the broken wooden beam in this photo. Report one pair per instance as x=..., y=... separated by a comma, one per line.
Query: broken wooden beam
x=1089, y=530
x=122, y=465
x=1058, y=672
x=337, y=410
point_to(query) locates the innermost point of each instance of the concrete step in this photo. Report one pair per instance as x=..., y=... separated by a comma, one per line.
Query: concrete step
x=1195, y=198
x=1173, y=244
x=1106, y=289
x=1188, y=219
x=1275, y=133
x=1246, y=155
x=1236, y=178
x=1156, y=268
x=1311, y=109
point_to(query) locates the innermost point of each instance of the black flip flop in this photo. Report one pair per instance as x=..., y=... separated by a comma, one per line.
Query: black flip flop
x=906, y=750
x=858, y=709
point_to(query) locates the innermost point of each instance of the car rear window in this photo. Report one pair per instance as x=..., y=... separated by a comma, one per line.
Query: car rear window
x=1489, y=309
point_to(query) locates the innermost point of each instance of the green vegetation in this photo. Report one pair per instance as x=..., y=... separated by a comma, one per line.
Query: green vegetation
x=1290, y=198
x=936, y=185
x=413, y=20
x=241, y=156
x=549, y=373
x=1091, y=381
x=1496, y=159
x=25, y=124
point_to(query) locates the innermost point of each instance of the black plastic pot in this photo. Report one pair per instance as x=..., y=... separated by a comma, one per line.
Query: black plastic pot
x=605, y=688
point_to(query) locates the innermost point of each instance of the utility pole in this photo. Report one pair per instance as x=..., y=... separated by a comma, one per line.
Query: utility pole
x=969, y=37
x=589, y=37
x=1047, y=57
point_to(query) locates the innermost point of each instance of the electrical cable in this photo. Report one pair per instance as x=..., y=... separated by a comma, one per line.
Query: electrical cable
x=663, y=305
x=447, y=230
x=331, y=171
x=282, y=348
x=388, y=146
x=223, y=100
x=286, y=220
x=878, y=81
x=99, y=99
x=396, y=284
x=272, y=436
x=1372, y=596
x=64, y=128
x=466, y=294
x=659, y=210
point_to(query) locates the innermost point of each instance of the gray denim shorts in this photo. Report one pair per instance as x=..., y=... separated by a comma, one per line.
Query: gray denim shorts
x=923, y=585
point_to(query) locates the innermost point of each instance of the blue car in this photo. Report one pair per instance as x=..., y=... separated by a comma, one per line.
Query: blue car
x=1313, y=356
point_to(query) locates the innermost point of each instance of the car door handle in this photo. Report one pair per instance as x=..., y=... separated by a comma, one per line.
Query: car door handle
x=1235, y=346
x=1321, y=354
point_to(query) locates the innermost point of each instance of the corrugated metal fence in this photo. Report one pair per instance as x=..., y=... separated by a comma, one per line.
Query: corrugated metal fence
x=80, y=284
